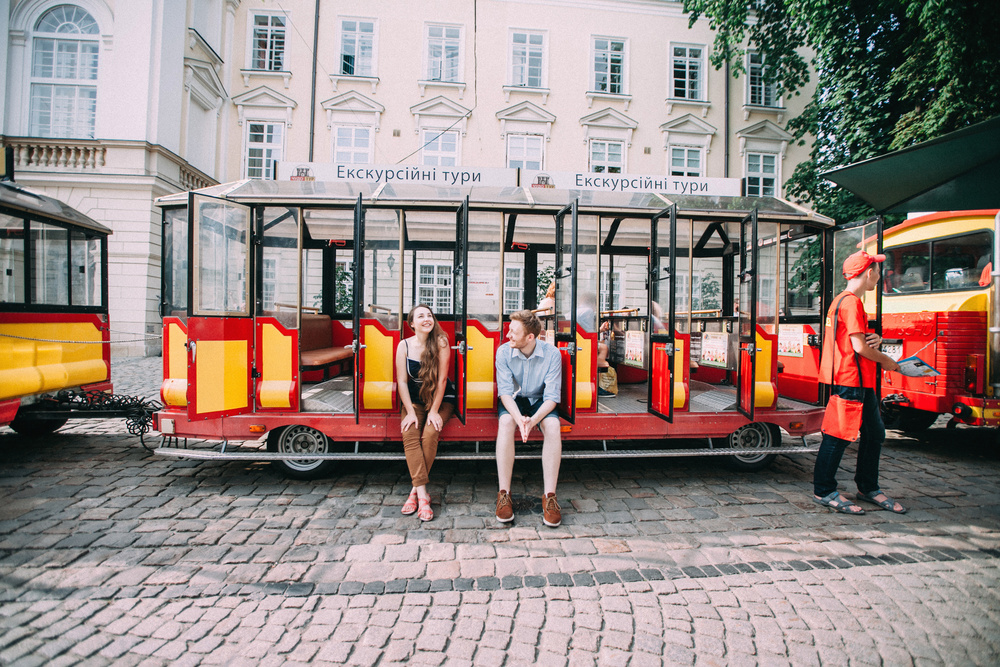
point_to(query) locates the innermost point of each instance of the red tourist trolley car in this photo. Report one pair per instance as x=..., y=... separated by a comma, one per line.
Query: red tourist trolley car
x=284, y=302
x=54, y=331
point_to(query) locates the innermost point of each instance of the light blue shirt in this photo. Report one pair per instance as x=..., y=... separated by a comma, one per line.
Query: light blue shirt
x=536, y=377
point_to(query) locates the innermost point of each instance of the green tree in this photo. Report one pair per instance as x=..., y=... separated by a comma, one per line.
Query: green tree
x=889, y=73
x=545, y=278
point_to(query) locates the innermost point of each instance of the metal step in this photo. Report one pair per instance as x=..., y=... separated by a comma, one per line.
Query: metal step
x=216, y=455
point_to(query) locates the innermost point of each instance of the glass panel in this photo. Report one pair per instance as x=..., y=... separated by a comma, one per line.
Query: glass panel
x=485, y=253
x=687, y=286
x=381, y=259
x=766, y=276
x=801, y=275
x=588, y=274
x=329, y=224
x=85, y=270
x=958, y=262
x=223, y=257
x=50, y=260
x=846, y=242
x=11, y=259
x=312, y=279
x=175, y=261
x=280, y=275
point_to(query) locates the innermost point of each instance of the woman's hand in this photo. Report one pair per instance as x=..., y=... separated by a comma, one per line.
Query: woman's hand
x=409, y=420
x=434, y=419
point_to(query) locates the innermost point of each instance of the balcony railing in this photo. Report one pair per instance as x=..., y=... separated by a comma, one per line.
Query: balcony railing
x=32, y=154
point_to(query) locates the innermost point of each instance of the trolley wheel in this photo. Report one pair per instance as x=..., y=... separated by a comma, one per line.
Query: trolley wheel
x=299, y=439
x=35, y=427
x=908, y=419
x=757, y=436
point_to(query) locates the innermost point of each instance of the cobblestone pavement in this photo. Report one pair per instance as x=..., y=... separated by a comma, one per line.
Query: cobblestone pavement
x=110, y=555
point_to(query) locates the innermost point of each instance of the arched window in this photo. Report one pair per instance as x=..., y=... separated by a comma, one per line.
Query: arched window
x=64, y=53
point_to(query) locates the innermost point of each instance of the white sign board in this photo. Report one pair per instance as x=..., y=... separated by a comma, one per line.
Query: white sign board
x=449, y=177
x=501, y=178
x=670, y=185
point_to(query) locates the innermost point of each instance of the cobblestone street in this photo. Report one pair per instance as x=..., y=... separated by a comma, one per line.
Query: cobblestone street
x=111, y=555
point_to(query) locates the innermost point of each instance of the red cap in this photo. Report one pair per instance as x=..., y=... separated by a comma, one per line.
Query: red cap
x=857, y=263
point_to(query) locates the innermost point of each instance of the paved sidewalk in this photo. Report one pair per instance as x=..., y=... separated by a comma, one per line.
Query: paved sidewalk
x=109, y=555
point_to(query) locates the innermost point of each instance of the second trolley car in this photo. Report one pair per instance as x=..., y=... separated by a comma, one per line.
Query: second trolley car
x=53, y=307
x=284, y=302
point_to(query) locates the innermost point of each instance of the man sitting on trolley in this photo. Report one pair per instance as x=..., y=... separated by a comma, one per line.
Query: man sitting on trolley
x=529, y=384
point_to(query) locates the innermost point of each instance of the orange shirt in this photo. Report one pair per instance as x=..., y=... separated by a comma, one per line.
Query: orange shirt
x=851, y=319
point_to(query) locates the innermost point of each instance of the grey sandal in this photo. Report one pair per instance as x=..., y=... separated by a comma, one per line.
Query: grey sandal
x=839, y=503
x=887, y=504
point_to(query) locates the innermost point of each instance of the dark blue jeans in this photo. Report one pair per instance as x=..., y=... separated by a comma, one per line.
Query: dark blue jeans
x=869, y=449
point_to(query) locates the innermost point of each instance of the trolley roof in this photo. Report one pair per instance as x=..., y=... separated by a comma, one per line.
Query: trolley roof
x=537, y=201
x=16, y=197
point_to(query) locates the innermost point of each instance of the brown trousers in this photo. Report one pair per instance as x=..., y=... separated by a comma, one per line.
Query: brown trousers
x=420, y=444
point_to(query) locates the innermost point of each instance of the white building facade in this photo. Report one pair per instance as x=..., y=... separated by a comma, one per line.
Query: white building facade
x=112, y=103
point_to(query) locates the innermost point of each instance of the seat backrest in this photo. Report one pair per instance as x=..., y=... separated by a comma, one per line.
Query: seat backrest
x=316, y=332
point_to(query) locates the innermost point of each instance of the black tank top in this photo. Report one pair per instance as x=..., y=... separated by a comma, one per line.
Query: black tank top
x=414, y=383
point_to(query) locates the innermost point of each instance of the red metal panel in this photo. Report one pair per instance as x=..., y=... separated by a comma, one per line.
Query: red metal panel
x=219, y=329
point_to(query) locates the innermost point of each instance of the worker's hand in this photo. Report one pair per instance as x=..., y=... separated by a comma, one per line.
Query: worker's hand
x=894, y=367
x=873, y=340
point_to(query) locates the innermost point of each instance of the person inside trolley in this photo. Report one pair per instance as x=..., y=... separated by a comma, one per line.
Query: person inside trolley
x=427, y=397
x=850, y=356
x=529, y=385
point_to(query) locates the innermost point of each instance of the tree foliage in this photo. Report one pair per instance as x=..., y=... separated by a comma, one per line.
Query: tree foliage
x=889, y=73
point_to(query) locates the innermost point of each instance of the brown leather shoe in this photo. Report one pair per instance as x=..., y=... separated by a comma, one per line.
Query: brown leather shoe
x=551, y=514
x=505, y=508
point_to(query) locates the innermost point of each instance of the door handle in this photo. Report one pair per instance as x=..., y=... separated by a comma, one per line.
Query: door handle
x=461, y=347
x=193, y=346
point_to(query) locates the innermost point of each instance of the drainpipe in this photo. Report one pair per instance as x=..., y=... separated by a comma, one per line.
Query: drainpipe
x=725, y=172
x=312, y=95
x=994, y=346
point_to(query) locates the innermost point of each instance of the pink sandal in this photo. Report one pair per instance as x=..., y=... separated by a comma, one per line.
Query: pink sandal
x=410, y=506
x=426, y=513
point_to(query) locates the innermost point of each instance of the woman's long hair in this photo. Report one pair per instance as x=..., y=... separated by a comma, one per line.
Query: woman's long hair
x=428, y=374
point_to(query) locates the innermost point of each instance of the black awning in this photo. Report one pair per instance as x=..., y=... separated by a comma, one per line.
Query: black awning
x=955, y=172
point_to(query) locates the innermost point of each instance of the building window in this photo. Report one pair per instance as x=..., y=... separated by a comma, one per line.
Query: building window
x=434, y=286
x=526, y=58
x=513, y=289
x=685, y=161
x=64, y=58
x=758, y=92
x=270, y=282
x=609, y=65
x=607, y=157
x=357, y=47
x=611, y=290
x=268, y=48
x=440, y=149
x=524, y=151
x=353, y=145
x=264, y=147
x=443, y=48
x=762, y=174
x=687, y=68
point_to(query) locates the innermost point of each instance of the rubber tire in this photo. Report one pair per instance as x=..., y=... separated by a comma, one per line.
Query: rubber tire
x=299, y=438
x=909, y=419
x=758, y=435
x=36, y=427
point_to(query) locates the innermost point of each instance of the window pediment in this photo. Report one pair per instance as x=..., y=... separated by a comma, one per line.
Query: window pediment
x=440, y=111
x=204, y=84
x=764, y=136
x=688, y=130
x=525, y=118
x=350, y=108
x=266, y=103
x=608, y=124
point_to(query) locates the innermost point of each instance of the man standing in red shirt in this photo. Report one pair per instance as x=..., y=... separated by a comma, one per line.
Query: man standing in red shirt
x=850, y=356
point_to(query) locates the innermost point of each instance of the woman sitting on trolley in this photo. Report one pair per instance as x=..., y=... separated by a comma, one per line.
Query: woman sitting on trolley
x=428, y=401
